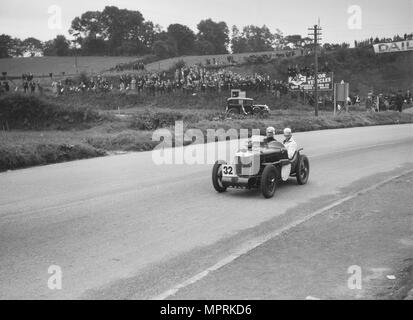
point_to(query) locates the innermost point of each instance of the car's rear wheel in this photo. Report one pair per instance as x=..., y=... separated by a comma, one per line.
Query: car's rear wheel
x=257, y=111
x=217, y=177
x=303, y=170
x=269, y=181
x=233, y=111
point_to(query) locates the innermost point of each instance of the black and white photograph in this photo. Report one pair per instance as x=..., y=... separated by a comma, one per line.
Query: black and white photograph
x=215, y=152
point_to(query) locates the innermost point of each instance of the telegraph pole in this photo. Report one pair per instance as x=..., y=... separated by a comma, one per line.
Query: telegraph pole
x=76, y=35
x=316, y=34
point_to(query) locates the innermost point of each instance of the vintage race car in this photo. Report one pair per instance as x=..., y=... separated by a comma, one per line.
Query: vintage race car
x=262, y=168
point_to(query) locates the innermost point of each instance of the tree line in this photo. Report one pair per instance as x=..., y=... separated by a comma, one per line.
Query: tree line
x=123, y=32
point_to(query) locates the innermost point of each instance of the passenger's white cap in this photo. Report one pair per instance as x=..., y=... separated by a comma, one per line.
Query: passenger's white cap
x=271, y=130
x=288, y=132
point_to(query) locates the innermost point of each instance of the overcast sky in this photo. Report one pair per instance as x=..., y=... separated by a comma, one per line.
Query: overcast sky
x=22, y=19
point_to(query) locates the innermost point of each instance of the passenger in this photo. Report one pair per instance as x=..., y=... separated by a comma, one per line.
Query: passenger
x=289, y=143
x=270, y=135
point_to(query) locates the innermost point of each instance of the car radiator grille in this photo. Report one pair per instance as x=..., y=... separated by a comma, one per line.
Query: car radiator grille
x=238, y=166
x=242, y=169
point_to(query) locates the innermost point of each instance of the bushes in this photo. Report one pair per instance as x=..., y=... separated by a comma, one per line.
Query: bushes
x=28, y=155
x=124, y=141
x=32, y=112
x=153, y=120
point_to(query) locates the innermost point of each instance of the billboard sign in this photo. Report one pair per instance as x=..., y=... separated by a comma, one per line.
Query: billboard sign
x=303, y=83
x=393, y=47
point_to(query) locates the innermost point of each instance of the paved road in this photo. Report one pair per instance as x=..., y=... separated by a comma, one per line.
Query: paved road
x=123, y=227
x=370, y=236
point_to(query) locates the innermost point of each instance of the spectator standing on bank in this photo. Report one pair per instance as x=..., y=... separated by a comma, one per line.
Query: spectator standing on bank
x=6, y=86
x=32, y=87
x=408, y=97
x=133, y=84
x=399, y=101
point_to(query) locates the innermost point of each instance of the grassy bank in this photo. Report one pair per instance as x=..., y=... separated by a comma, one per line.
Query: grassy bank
x=44, y=130
x=22, y=149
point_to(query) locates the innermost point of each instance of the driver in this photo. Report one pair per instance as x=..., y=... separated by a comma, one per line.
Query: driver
x=270, y=135
x=289, y=143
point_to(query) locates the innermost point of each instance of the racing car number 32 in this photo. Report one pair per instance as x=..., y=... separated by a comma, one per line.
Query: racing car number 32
x=228, y=170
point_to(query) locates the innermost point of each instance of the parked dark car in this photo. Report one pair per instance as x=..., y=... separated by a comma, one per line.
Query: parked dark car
x=245, y=106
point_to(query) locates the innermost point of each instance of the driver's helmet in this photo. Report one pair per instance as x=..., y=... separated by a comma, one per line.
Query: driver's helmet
x=288, y=133
x=270, y=132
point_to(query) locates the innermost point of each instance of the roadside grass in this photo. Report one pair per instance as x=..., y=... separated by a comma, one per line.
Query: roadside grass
x=43, y=130
x=133, y=132
x=30, y=112
x=215, y=101
x=22, y=149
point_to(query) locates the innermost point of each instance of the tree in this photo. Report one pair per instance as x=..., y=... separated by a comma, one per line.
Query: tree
x=93, y=46
x=10, y=47
x=32, y=47
x=88, y=25
x=238, y=42
x=204, y=47
x=294, y=41
x=278, y=39
x=252, y=39
x=164, y=49
x=216, y=33
x=5, y=46
x=121, y=25
x=60, y=46
x=183, y=37
x=123, y=31
x=307, y=43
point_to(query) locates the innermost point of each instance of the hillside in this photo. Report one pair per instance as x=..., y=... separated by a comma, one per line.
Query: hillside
x=166, y=64
x=363, y=69
x=39, y=66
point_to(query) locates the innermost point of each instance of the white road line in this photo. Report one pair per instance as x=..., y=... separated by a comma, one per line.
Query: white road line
x=254, y=243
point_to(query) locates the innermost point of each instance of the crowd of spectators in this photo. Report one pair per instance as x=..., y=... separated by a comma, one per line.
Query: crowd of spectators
x=307, y=71
x=372, y=41
x=139, y=66
x=28, y=83
x=68, y=86
x=187, y=80
x=392, y=100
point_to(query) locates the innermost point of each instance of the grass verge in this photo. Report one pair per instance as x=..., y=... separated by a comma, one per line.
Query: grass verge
x=22, y=149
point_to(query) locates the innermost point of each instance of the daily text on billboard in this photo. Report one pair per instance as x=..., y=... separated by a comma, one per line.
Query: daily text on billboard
x=390, y=47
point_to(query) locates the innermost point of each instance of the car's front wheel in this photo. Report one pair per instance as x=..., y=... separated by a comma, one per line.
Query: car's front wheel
x=303, y=170
x=269, y=181
x=217, y=177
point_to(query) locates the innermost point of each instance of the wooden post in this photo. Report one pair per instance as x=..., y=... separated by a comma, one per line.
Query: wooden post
x=316, y=33
x=316, y=68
